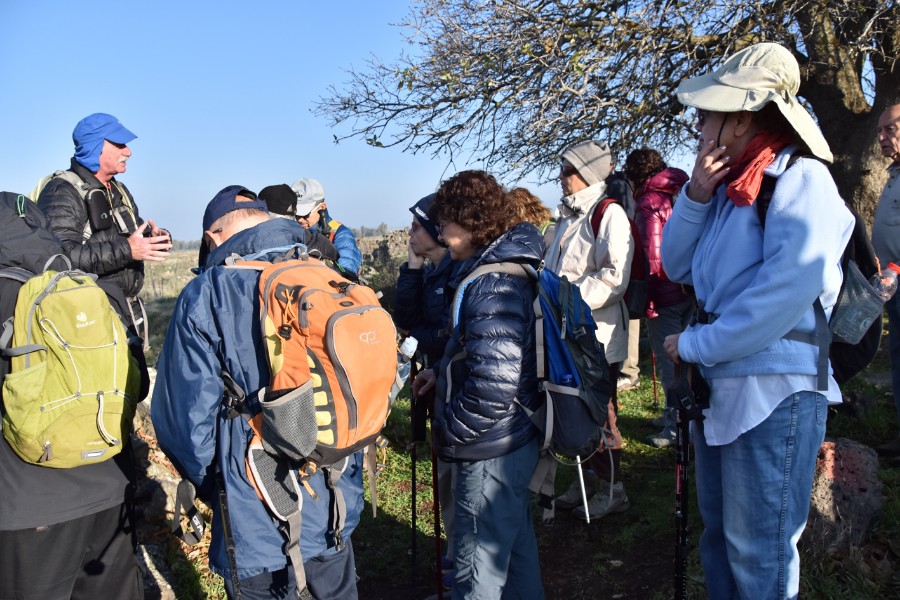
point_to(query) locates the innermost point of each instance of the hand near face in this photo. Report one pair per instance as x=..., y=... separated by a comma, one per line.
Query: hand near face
x=709, y=170
x=414, y=261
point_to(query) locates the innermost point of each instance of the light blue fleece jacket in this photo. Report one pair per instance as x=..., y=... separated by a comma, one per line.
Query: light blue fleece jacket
x=761, y=284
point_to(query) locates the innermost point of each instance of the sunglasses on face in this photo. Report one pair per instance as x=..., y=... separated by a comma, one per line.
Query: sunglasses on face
x=702, y=115
x=567, y=170
x=307, y=215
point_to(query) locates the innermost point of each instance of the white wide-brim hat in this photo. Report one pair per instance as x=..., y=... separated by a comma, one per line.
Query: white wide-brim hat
x=749, y=80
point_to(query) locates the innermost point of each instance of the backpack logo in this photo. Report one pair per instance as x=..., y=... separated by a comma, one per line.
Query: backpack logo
x=369, y=337
x=82, y=319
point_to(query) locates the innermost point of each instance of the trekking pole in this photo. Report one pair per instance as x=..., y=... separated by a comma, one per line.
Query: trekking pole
x=587, y=513
x=412, y=457
x=417, y=434
x=682, y=444
x=690, y=395
x=655, y=393
x=438, y=571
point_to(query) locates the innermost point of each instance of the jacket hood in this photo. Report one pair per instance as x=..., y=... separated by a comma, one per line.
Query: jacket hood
x=522, y=244
x=668, y=181
x=274, y=233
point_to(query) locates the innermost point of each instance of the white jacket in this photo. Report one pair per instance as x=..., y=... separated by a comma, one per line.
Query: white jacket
x=600, y=266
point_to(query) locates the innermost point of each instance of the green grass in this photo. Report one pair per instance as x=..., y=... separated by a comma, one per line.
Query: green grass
x=604, y=555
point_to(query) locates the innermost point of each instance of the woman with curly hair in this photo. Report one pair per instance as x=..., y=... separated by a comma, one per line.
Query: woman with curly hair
x=489, y=366
x=529, y=208
x=670, y=305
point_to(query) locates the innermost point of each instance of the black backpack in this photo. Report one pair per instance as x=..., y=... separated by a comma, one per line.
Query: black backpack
x=847, y=360
x=26, y=243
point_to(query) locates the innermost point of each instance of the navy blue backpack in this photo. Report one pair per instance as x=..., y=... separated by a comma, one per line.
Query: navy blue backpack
x=572, y=368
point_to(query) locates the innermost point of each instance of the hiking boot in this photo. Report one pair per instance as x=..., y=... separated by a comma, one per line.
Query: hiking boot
x=602, y=504
x=657, y=422
x=572, y=496
x=625, y=383
x=663, y=439
x=892, y=448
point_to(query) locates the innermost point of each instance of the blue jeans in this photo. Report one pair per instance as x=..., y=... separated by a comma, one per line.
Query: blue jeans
x=496, y=552
x=754, y=499
x=328, y=576
x=670, y=320
x=893, y=312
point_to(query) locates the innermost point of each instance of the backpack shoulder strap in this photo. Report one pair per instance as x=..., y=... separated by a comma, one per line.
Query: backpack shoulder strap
x=822, y=337
x=70, y=176
x=767, y=189
x=510, y=268
x=598, y=213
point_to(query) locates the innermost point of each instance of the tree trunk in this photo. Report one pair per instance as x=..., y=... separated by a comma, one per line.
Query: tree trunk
x=831, y=75
x=859, y=169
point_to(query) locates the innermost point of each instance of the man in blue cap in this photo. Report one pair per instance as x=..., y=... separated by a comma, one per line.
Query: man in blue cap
x=97, y=220
x=215, y=328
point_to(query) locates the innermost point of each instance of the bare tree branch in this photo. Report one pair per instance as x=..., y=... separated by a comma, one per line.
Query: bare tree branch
x=513, y=82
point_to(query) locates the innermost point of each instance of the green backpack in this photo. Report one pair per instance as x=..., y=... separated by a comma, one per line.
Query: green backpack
x=70, y=395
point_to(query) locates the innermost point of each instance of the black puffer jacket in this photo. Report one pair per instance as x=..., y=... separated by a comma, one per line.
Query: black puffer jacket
x=422, y=305
x=107, y=253
x=480, y=420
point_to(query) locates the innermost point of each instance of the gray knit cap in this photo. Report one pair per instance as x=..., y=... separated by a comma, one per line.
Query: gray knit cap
x=593, y=160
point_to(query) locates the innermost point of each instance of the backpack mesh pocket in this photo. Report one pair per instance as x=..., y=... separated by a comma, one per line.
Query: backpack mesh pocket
x=858, y=305
x=575, y=431
x=289, y=423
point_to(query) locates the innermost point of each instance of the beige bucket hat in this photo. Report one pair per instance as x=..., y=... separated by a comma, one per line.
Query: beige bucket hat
x=749, y=80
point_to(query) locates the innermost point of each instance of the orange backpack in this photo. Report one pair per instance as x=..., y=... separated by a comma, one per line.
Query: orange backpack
x=332, y=355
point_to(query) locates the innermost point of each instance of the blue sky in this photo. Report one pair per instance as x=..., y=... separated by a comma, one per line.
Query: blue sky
x=218, y=93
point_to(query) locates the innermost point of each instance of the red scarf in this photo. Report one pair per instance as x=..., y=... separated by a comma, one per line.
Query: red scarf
x=746, y=174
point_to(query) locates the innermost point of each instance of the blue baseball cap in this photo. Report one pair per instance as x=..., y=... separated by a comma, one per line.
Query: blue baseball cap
x=226, y=201
x=89, y=134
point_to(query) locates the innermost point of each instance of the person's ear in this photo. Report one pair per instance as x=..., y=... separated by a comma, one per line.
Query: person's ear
x=743, y=123
x=214, y=238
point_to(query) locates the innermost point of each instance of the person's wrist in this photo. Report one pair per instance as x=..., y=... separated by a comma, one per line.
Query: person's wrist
x=695, y=196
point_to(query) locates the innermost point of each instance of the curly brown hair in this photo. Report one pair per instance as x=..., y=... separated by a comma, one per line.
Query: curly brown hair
x=475, y=201
x=528, y=207
x=642, y=164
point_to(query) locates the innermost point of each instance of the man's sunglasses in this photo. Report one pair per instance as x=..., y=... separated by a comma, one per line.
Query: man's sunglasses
x=567, y=171
x=307, y=215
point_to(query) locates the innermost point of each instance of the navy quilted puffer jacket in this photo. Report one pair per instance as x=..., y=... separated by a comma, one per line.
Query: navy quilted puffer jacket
x=475, y=416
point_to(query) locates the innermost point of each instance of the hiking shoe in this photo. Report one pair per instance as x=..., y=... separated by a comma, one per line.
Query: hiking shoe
x=602, y=504
x=657, y=422
x=663, y=439
x=572, y=496
x=625, y=383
